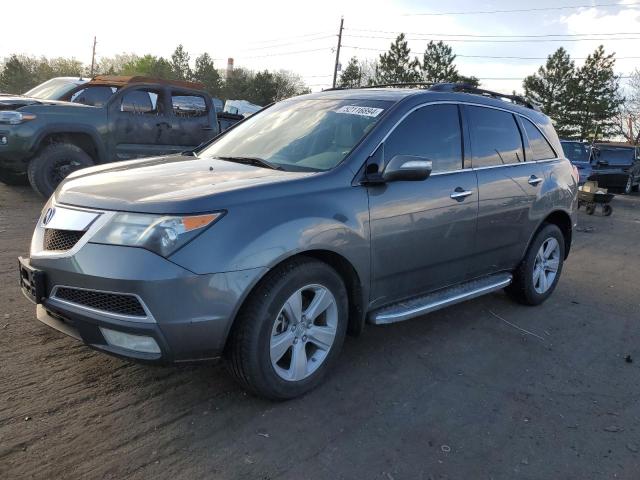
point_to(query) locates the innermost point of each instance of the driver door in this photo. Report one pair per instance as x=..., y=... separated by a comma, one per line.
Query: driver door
x=423, y=232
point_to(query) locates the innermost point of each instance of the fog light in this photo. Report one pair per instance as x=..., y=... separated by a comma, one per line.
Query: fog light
x=3, y=140
x=138, y=343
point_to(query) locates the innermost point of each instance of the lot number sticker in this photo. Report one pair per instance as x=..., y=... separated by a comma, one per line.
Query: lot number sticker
x=364, y=111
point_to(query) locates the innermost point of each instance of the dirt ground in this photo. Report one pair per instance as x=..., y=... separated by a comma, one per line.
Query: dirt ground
x=459, y=394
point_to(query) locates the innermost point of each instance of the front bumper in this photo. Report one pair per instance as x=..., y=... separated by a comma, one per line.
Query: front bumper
x=188, y=315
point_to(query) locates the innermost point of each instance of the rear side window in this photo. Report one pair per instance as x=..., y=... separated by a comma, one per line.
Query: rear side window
x=188, y=105
x=540, y=148
x=141, y=101
x=495, y=137
x=432, y=132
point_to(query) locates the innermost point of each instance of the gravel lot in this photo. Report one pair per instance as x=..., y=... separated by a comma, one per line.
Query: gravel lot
x=459, y=394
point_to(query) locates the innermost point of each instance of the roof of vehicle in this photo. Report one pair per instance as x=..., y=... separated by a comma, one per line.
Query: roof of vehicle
x=397, y=92
x=124, y=80
x=615, y=144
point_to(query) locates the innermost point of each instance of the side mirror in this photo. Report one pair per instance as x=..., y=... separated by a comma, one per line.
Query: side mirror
x=408, y=168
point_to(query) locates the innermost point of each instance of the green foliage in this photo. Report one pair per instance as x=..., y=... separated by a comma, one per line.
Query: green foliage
x=397, y=66
x=551, y=87
x=438, y=63
x=206, y=73
x=180, y=64
x=351, y=77
x=148, y=66
x=21, y=73
x=596, y=99
x=262, y=87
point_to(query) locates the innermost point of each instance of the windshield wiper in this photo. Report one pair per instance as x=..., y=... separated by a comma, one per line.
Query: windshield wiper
x=255, y=161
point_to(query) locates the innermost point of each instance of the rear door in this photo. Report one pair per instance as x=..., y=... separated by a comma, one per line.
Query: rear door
x=191, y=120
x=508, y=184
x=423, y=232
x=139, y=123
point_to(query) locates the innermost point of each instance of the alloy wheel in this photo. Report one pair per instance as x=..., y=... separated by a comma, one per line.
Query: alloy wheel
x=546, y=265
x=303, y=332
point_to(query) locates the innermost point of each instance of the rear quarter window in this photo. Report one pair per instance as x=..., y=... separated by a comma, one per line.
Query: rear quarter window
x=188, y=106
x=538, y=145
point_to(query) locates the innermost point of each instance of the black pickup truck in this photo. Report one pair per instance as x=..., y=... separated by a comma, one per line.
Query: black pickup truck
x=107, y=119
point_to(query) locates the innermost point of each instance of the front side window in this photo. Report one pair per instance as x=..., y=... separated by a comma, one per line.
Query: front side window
x=95, y=96
x=432, y=132
x=140, y=101
x=540, y=148
x=495, y=137
x=301, y=135
x=187, y=106
x=576, y=151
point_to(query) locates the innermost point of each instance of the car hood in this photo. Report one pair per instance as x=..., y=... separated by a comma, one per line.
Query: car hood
x=174, y=184
x=13, y=102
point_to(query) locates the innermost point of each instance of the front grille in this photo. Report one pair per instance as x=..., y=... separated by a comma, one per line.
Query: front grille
x=119, y=303
x=61, y=240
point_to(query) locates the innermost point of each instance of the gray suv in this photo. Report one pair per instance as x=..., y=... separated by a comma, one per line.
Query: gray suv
x=303, y=223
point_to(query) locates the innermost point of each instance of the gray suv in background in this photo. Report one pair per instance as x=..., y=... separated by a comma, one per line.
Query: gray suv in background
x=302, y=223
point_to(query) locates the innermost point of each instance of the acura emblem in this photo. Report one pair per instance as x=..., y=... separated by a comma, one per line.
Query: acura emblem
x=48, y=215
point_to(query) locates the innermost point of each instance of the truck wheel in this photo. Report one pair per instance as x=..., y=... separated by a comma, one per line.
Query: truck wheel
x=290, y=331
x=53, y=163
x=537, y=275
x=629, y=185
x=11, y=178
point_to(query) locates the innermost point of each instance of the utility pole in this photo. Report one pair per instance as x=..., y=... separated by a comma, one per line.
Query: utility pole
x=335, y=68
x=93, y=56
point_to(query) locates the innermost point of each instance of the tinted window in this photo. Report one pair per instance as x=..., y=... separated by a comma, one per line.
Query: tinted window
x=576, y=151
x=188, y=106
x=615, y=156
x=495, y=137
x=140, y=101
x=95, y=96
x=540, y=148
x=432, y=132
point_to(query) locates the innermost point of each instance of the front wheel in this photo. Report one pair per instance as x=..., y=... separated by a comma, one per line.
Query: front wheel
x=537, y=275
x=53, y=163
x=628, y=188
x=291, y=330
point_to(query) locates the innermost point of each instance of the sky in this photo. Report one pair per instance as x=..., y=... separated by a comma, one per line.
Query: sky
x=301, y=36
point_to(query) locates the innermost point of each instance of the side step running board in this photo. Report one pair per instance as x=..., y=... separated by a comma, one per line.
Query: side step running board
x=414, y=307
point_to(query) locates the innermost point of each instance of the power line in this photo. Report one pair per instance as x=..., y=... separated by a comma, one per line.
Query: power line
x=529, y=40
x=470, y=35
x=281, y=54
x=289, y=37
x=298, y=42
x=506, y=57
x=524, y=10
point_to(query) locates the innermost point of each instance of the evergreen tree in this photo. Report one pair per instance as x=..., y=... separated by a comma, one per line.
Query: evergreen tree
x=396, y=66
x=149, y=66
x=206, y=73
x=180, y=64
x=438, y=63
x=351, y=77
x=596, y=100
x=16, y=76
x=551, y=87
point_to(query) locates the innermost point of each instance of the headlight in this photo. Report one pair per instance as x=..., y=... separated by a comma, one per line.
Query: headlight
x=15, y=118
x=162, y=234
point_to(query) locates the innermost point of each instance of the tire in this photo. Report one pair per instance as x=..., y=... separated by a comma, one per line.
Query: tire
x=525, y=288
x=590, y=209
x=629, y=186
x=266, y=337
x=13, y=179
x=53, y=163
x=607, y=210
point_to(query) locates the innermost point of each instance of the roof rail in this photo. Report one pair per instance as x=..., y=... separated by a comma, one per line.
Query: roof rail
x=385, y=85
x=468, y=88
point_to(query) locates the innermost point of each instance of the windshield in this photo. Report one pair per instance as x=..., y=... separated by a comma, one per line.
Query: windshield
x=576, y=151
x=616, y=156
x=301, y=135
x=53, y=89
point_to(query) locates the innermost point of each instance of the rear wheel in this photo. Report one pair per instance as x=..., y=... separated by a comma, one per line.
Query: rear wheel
x=629, y=185
x=538, y=274
x=291, y=330
x=53, y=163
x=11, y=178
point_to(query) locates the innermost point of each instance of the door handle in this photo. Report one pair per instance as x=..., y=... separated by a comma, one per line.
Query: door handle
x=460, y=194
x=533, y=180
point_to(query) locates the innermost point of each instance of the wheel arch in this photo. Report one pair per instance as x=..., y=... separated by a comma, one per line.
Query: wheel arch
x=85, y=138
x=344, y=268
x=562, y=220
